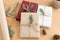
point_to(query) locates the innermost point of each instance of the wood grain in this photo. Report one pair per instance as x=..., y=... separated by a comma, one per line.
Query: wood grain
x=55, y=28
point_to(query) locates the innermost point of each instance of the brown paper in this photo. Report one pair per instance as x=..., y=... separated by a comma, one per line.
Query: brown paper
x=32, y=31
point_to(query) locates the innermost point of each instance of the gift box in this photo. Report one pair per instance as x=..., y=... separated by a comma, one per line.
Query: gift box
x=29, y=27
x=45, y=17
x=26, y=7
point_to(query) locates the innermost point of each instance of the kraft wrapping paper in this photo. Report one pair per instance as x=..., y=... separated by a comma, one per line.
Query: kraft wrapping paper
x=25, y=30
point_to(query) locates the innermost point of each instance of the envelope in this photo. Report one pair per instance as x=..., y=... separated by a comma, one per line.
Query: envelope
x=28, y=30
x=45, y=17
x=26, y=6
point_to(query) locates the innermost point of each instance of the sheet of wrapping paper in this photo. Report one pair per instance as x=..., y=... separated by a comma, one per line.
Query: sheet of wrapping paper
x=4, y=26
x=45, y=21
x=25, y=30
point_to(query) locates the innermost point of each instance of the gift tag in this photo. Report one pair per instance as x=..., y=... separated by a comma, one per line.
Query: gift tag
x=29, y=27
x=27, y=7
x=45, y=16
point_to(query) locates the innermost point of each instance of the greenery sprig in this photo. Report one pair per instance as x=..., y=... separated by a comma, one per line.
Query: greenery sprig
x=29, y=8
x=30, y=19
x=7, y=10
x=42, y=11
x=11, y=32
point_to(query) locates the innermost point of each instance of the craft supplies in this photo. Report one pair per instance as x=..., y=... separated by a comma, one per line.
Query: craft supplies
x=29, y=27
x=45, y=12
x=4, y=26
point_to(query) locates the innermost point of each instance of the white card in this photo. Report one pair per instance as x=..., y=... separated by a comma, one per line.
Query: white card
x=45, y=21
x=25, y=30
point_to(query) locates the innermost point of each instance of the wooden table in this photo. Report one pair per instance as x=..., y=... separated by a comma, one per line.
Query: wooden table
x=55, y=28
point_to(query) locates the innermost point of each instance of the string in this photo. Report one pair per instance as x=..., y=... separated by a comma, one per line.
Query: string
x=31, y=25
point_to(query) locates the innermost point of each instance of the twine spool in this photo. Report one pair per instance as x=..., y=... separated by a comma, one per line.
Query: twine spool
x=56, y=3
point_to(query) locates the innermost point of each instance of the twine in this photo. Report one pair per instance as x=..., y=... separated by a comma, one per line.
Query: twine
x=34, y=26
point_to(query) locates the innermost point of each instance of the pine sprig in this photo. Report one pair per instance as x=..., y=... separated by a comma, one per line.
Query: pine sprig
x=42, y=11
x=11, y=32
x=7, y=10
x=31, y=7
x=30, y=19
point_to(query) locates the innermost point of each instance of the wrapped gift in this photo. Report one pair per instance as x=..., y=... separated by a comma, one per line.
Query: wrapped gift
x=45, y=17
x=26, y=7
x=29, y=27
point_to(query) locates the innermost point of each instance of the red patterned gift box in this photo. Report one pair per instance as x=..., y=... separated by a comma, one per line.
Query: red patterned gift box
x=26, y=7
